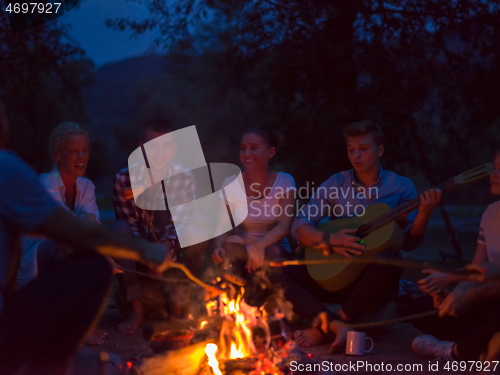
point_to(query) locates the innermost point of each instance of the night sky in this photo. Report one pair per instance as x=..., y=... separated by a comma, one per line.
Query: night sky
x=102, y=44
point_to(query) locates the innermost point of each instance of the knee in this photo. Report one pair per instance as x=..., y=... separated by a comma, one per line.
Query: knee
x=122, y=227
x=235, y=239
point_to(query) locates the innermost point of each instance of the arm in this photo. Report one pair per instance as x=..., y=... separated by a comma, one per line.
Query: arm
x=304, y=226
x=416, y=232
x=282, y=228
x=437, y=281
x=86, y=236
x=89, y=204
x=467, y=293
x=124, y=206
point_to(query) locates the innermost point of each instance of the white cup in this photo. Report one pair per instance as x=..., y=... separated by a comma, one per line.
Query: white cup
x=356, y=343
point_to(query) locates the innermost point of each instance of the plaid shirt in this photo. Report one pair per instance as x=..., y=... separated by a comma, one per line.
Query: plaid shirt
x=180, y=188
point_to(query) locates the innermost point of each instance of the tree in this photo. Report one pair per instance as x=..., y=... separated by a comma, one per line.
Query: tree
x=426, y=69
x=43, y=73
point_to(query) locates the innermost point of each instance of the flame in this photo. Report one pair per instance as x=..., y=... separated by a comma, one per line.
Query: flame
x=202, y=324
x=236, y=334
x=210, y=350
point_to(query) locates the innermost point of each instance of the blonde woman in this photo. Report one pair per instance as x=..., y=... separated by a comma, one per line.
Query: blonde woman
x=69, y=148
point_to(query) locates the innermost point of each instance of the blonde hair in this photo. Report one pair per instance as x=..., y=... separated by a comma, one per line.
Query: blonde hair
x=62, y=131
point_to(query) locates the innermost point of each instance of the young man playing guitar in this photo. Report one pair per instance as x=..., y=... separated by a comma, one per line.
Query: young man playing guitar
x=378, y=284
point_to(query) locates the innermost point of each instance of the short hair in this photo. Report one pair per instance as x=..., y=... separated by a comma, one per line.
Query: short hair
x=158, y=125
x=364, y=128
x=62, y=131
x=270, y=137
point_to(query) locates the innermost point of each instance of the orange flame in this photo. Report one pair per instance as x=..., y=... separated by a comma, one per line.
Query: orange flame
x=210, y=350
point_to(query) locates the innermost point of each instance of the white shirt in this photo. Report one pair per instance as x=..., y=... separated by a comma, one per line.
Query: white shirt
x=263, y=213
x=85, y=203
x=489, y=232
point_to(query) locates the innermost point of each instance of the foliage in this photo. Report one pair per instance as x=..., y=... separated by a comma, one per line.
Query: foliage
x=42, y=73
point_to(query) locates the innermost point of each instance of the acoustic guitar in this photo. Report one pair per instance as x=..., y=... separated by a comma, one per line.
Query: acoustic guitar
x=379, y=230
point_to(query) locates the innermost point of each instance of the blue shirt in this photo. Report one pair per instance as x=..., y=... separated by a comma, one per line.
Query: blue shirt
x=342, y=197
x=24, y=205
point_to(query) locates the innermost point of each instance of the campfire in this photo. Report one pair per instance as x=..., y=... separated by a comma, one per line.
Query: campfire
x=238, y=337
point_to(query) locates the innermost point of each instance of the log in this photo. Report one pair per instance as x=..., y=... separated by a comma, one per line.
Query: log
x=190, y=360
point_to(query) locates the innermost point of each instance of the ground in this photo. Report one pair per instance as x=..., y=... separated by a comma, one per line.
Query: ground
x=393, y=348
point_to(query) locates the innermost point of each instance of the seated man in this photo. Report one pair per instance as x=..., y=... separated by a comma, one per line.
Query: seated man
x=153, y=225
x=43, y=324
x=469, y=316
x=378, y=284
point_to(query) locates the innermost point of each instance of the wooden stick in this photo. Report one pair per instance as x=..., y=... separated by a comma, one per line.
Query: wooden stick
x=397, y=320
x=379, y=260
x=155, y=277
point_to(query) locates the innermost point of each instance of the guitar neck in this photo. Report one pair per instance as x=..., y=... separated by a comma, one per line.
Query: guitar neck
x=399, y=211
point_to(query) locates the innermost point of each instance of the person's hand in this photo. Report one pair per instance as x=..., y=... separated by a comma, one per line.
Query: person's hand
x=455, y=303
x=343, y=243
x=436, y=282
x=160, y=257
x=116, y=268
x=218, y=255
x=484, y=272
x=255, y=257
x=428, y=201
x=340, y=329
x=438, y=298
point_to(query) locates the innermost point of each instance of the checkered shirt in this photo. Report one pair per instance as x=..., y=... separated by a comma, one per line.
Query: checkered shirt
x=181, y=188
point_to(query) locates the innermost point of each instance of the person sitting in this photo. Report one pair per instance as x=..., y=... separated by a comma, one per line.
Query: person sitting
x=378, y=284
x=69, y=148
x=154, y=225
x=270, y=201
x=469, y=316
x=43, y=324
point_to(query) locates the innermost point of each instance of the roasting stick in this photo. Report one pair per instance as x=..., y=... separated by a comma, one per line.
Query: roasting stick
x=396, y=320
x=379, y=260
x=170, y=264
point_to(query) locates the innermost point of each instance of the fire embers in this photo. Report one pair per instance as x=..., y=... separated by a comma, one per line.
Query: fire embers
x=246, y=344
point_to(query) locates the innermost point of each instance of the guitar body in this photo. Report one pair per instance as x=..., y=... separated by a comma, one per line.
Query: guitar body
x=335, y=276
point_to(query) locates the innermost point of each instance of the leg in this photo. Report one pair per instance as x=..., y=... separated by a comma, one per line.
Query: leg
x=305, y=294
x=45, y=323
x=447, y=328
x=375, y=287
x=471, y=346
x=129, y=293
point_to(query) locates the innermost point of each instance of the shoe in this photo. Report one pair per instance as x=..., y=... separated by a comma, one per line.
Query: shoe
x=428, y=346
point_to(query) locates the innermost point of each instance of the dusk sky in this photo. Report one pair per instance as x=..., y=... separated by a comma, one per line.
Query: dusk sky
x=102, y=44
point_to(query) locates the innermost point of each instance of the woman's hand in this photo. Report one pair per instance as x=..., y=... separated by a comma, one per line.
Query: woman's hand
x=255, y=257
x=436, y=281
x=484, y=272
x=343, y=243
x=218, y=255
x=456, y=303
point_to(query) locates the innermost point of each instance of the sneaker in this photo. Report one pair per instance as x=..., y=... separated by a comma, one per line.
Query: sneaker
x=428, y=346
